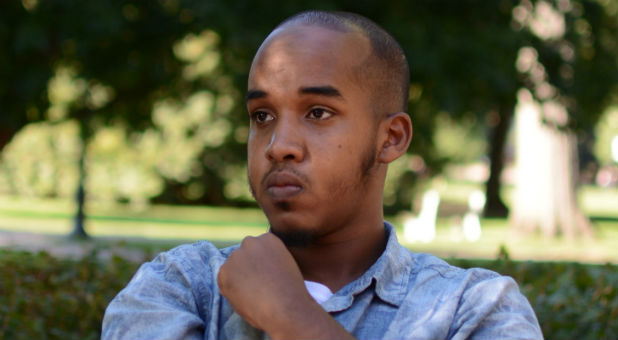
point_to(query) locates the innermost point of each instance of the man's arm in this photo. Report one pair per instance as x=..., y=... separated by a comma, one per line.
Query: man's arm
x=158, y=303
x=494, y=308
x=265, y=286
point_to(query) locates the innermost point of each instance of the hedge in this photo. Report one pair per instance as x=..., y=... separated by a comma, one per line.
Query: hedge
x=44, y=297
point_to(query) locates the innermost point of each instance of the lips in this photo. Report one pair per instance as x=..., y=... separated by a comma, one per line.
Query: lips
x=281, y=185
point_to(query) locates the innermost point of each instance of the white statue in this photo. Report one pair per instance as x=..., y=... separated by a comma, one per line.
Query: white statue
x=471, y=221
x=423, y=227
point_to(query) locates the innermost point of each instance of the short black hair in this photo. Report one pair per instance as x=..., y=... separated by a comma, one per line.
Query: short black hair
x=388, y=69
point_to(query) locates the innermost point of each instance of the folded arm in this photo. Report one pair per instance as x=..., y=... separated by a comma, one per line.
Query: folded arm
x=265, y=286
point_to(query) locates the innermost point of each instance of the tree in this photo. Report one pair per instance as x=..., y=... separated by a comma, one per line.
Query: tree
x=127, y=75
x=462, y=58
x=117, y=66
x=567, y=92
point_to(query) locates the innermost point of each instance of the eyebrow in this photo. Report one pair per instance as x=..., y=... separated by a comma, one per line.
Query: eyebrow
x=254, y=94
x=327, y=91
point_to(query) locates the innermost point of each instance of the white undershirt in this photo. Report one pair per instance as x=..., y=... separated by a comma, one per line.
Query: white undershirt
x=319, y=292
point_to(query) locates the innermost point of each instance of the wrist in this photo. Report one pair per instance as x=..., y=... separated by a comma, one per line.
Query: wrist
x=306, y=320
x=290, y=315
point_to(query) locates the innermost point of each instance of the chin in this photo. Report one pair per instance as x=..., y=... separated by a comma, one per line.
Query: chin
x=294, y=237
x=291, y=228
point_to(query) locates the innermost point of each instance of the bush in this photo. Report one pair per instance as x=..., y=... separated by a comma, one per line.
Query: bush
x=43, y=297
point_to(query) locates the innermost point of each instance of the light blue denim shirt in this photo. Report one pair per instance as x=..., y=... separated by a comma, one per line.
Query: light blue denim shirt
x=404, y=295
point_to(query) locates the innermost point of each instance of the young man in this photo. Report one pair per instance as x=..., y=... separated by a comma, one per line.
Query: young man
x=327, y=94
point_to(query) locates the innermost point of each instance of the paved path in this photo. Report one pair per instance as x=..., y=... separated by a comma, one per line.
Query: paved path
x=63, y=246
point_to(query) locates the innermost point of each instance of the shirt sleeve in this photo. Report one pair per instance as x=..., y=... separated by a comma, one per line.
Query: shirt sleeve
x=492, y=307
x=158, y=303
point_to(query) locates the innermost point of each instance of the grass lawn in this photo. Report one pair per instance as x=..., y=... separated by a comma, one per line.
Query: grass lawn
x=158, y=227
x=600, y=204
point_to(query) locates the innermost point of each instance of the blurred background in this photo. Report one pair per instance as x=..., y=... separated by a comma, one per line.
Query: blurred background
x=123, y=126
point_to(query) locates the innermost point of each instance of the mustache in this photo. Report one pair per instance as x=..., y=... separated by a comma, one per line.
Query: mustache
x=284, y=168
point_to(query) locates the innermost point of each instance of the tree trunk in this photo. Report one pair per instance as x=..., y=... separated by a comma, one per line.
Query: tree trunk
x=546, y=175
x=495, y=207
x=79, y=232
x=5, y=136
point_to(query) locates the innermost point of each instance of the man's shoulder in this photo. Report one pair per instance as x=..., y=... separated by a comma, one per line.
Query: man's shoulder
x=200, y=251
x=424, y=261
x=426, y=269
x=432, y=270
x=192, y=266
x=476, y=301
x=197, y=262
x=414, y=270
x=176, y=292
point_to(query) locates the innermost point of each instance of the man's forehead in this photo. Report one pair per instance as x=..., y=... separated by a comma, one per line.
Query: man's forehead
x=305, y=32
x=306, y=51
x=312, y=40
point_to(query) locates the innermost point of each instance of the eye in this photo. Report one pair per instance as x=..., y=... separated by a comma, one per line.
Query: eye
x=319, y=113
x=261, y=117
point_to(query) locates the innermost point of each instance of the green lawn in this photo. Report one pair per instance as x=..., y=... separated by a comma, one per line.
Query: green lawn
x=166, y=226
x=603, y=248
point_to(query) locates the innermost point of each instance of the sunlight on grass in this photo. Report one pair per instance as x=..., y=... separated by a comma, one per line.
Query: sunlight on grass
x=496, y=233
x=597, y=201
x=180, y=224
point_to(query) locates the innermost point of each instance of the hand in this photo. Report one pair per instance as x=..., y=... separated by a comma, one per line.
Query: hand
x=265, y=287
x=260, y=277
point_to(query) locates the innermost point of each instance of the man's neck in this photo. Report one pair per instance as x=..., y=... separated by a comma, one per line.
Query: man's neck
x=337, y=263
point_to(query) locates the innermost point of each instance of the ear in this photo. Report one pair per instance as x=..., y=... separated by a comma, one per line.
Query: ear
x=395, y=135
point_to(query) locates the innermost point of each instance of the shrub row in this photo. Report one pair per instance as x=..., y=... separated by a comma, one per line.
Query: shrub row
x=44, y=297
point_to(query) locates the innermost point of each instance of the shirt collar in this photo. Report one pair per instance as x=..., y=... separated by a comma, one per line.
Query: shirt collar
x=391, y=273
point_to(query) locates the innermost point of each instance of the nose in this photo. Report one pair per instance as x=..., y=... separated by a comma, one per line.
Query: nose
x=286, y=141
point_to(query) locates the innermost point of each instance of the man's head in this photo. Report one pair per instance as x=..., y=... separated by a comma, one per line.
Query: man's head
x=326, y=96
x=385, y=72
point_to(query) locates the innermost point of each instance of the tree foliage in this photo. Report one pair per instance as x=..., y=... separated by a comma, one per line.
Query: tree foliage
x=157, y=86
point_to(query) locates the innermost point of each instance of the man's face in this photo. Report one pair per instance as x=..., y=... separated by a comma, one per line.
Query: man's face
x=312, y=140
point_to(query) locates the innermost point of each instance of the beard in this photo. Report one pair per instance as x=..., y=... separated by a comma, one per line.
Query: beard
x=296, y=237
